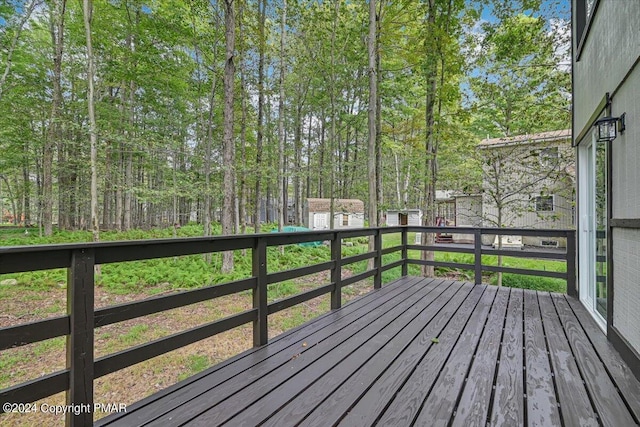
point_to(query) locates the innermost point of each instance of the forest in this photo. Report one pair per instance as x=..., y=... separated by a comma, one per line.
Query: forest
x=124, y=114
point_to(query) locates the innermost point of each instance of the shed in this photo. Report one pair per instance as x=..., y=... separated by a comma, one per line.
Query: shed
x=348, y=213
x=404, y=217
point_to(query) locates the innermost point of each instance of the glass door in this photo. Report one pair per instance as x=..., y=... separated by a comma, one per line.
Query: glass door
x=593, y=227
x=600, y=297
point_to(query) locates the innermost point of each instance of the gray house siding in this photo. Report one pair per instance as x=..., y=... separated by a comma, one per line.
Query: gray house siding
x=521, y=158
x=605, y=63
x=469, y=211
x=626, y=271
x=609, y=52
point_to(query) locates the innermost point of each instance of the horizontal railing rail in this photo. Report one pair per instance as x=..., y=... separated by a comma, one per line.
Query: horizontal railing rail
x=478, y=250
x=80, y=259
x=81, y=320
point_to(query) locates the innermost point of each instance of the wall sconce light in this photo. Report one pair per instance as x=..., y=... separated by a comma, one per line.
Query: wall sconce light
x=608, y=127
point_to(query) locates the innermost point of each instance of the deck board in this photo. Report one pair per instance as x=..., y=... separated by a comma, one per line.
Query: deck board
x=408, y=401
x=606, y=399
x=502, y=357
x=473, y=405
x=233, y=396
x=508, y=401
x=327, y=372
x=378, y=397
x=542, y=403
x=620, y=372
x=440, y=403
x=276, y=353
x=330, y=397
x=574, y=399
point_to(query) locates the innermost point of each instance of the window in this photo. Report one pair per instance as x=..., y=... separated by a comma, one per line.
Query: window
x=345, y=220
x=548, y=156
x=544, y=203
x=583, y=14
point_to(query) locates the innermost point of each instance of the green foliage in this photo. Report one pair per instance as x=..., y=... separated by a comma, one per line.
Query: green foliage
x=7, y=362
x=46, y=346
x=519, y=88
x=134, y=335
x=195, y=363
x=183, y=272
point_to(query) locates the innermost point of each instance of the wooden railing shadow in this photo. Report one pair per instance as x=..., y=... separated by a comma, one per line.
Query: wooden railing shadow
x=82, y=318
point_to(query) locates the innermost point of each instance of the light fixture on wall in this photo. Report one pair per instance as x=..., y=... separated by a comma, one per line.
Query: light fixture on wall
x=608, y=127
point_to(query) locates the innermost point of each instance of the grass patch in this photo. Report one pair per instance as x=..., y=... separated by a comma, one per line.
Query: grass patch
x=534, y=283
x=195, y=363
x=7, y=362
x=135, y=334
x=193, y=271
x=52, y=344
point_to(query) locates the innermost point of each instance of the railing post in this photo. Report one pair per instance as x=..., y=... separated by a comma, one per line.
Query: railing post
x=80, y=300
x=405, y=252
x=259, y=271
x=477, y=252
x=336, y=271
x=377, y=265
x=572, y=289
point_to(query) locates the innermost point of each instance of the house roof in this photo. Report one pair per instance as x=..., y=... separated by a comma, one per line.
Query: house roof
x=341, y=205
x=405, y=210
x=555, y=135
x=444, y=195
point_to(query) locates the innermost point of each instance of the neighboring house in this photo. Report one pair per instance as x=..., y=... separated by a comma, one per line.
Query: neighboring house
x=446, y=208
x=468, y=210
x=606, y=81
x=404, y=217
x=529, y=182
x=348, y=213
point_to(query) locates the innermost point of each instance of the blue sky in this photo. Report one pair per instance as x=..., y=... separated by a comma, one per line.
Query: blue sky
x=551, y=9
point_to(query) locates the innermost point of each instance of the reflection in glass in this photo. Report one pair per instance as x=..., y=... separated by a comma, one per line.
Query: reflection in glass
x=601, y=228
x=590, y=4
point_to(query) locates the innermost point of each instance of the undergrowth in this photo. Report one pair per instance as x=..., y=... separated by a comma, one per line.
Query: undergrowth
x=194, y=271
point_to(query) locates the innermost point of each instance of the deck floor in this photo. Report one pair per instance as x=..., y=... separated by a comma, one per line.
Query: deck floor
x=421, y=352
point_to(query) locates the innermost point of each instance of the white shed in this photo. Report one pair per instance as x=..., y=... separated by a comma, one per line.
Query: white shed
x=348, y=213
x=404, y=217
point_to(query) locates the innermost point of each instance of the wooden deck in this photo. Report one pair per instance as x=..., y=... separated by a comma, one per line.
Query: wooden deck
x=420, y=352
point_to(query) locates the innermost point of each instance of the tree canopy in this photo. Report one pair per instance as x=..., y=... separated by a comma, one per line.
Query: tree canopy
x=189, y=126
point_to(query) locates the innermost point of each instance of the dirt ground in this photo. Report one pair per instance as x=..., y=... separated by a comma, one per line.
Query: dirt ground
x=129, y=385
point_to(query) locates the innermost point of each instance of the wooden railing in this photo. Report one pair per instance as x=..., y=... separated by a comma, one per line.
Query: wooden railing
x=82, y=318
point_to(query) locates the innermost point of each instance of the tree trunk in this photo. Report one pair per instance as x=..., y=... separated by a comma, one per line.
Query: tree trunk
x=53, y=134
x=320, y=172
x=228, y=147
x=87, y=9
x=297, y=163
x=281, y=134
x=429, y=218
x=262, y=5
x=332, y=131
x=27, y=186
x=13, y=201
x=372, y=125
x=378, y=117
x=128, y=207
x=207, y=164
x=108, y=190
x=242, y=206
